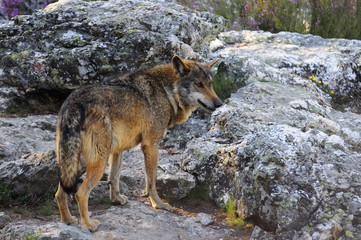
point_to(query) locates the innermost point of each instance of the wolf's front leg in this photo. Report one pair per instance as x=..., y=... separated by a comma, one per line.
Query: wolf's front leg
x=115, y=169
x=151, y=164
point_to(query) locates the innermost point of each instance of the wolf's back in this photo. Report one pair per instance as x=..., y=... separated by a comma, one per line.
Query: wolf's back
x=68, y=143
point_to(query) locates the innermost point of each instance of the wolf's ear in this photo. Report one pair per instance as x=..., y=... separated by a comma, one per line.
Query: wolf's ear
x=212, y=63
x=180, y=68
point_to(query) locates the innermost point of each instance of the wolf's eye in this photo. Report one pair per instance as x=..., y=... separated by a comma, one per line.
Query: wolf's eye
x=199, y=84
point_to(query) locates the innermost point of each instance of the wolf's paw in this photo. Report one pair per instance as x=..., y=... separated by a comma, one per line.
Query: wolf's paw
x=162, y=205
x=120, y=199
x=70, y=220
x=92, y=225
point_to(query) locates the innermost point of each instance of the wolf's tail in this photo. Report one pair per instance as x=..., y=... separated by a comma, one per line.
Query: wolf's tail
x=68, y=145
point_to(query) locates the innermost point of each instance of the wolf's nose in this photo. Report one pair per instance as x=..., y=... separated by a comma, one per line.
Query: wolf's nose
x=217, y=103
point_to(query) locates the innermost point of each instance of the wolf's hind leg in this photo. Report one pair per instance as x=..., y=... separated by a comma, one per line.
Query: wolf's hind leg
x=93, y=176
x=115, y=169
x=151, y=164
x=96, y=142
x=65, y=215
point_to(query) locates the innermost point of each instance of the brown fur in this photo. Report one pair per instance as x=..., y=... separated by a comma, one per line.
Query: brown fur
x=101, y=121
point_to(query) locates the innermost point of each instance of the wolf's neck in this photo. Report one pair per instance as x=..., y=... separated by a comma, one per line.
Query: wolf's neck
x=181, y=113
x=172, y=99
x=169, y=82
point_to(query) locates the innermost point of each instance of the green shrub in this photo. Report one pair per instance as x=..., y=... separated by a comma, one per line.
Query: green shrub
x=224, y=85
x=5, y=195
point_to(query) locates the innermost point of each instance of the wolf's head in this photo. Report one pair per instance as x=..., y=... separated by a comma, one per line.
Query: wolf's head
x=195, y=87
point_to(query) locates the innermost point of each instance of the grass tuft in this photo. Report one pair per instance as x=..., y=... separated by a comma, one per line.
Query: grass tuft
x=232, y=217
x=32, y=235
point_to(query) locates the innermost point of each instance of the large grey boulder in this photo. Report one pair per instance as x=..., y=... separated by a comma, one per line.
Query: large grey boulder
x=289, y=160
x=290, y=149
x=73, y=43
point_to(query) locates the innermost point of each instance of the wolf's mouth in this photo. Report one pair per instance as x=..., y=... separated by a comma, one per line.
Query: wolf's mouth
x=205, y=106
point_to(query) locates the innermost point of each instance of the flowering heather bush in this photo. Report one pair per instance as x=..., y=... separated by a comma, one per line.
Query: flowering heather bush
x=336, y=18
x=327, y=18
x=46, y=3
x=237, y=11
x=10, y=7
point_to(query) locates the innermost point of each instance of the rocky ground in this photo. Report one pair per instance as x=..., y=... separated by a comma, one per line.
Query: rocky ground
x=135, y=220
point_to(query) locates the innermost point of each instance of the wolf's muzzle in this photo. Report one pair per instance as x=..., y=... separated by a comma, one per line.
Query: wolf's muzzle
x=217, y=103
